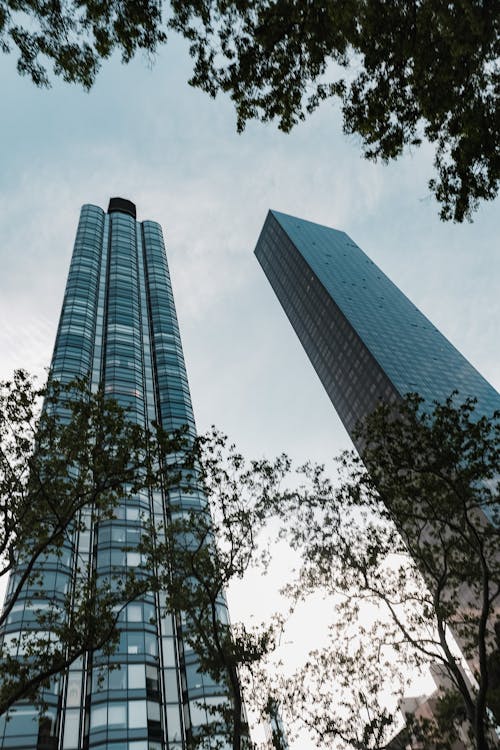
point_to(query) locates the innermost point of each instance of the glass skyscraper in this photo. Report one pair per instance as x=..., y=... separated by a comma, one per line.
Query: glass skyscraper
x=118, y=324
x=366, y=340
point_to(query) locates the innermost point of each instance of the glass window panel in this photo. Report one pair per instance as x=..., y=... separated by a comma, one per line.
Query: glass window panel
x=194, y=678
x=153, y=711
x=118, y=533
x=98, y=716
x=197, y=712
x=21, y=722
x=174, y=723
x=99, y=680
x=74, y=693
x=117, y=557
x=168, y=652
x=133, y=559
x=117, y=714
x=167, y=626
x=152, y=679
x=134, y=613
x=137, y=714
x=136, y=677
x=171, y=684
x=135, y=643
x=133, y=535
x=151, y=644
x=149, y=613
x=117, y=678
x=71, y=729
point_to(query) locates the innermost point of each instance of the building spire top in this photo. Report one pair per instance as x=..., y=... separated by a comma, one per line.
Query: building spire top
x=123, y=206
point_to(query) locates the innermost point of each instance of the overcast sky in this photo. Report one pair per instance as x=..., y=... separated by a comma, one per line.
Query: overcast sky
x=142, y=133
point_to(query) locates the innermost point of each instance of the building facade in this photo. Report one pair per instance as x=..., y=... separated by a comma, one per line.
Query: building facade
x=118, y=324
x=366, y=340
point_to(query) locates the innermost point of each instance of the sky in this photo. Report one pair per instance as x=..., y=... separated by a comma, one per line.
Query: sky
x=142, y=133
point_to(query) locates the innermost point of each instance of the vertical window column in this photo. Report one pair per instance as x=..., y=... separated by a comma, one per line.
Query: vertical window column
x=76, y=680
x=119, y=706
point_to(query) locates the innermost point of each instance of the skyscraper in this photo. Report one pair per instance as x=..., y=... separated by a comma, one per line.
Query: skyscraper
x=366, y=340
x=369, y=344
x=118, y=324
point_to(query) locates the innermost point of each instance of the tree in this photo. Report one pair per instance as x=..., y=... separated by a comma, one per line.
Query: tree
x=402, y=71
x=74, y=37
x=195, y=558
x=408, y=545
x=63, y=467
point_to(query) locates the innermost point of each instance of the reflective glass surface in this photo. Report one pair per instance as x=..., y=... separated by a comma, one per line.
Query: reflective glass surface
x=118, y=326
x=365, y=338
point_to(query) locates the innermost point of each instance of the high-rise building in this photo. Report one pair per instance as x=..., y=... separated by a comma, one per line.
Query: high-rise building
x=118, y=325
x=366, y=340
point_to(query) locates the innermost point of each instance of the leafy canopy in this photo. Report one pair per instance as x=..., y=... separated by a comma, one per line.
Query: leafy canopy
x=403, y=71
x=407, y=546
x=70, y=460
x=63, y=469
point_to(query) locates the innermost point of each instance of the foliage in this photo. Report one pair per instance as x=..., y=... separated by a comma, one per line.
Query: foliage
x=196, y=557
x=62, y=468
x=408, y=547
x=75, y=36
x=402, y=71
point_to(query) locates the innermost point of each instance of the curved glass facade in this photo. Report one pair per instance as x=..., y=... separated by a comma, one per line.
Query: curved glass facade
x=119, y=326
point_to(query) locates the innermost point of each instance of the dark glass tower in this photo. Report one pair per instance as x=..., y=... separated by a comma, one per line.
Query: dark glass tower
x=118, y=323
x=364, y=337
